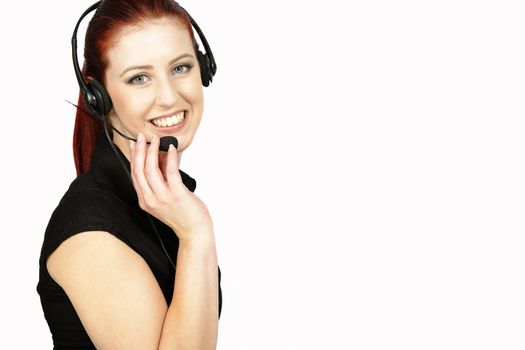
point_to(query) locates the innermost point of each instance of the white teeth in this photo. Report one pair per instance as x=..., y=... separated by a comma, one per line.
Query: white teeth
x=173, y=120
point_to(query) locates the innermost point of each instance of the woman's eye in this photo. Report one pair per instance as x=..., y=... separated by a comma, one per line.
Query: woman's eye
x=182, y=68
x=138, y=79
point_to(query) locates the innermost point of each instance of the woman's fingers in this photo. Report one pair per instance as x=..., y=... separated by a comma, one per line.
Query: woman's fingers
x=152, y=170
x=132, y=173
x=160, y=190
x=172, y=168
x=137, y=163
x=153, y=182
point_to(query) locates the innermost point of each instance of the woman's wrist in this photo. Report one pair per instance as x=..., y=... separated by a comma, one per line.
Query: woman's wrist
x=202, y=239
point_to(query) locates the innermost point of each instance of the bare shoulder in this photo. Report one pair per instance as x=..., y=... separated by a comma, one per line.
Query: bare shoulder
x=112, y=288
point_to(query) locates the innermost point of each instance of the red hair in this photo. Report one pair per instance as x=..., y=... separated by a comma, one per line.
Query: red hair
x=110, y=17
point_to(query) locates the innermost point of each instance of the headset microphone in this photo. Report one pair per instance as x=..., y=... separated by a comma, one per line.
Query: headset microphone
x=166, y=141
x=164, y=144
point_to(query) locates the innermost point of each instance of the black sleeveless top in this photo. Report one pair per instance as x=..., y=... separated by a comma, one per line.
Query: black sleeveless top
x=103, y=199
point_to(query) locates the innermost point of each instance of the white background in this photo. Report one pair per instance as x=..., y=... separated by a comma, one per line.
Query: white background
x=363, y=163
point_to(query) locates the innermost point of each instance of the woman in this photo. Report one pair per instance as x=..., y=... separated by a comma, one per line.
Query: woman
x=108, y=277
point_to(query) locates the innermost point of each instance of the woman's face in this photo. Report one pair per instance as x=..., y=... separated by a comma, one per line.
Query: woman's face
x=154, y=82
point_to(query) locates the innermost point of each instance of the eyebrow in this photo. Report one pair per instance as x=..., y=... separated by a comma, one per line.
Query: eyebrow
x=150, y=67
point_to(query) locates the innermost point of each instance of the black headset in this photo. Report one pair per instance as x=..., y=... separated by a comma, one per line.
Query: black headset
x=96, y=98
x=98, y=102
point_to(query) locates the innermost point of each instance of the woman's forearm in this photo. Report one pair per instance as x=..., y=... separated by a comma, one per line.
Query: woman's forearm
x=192, y=318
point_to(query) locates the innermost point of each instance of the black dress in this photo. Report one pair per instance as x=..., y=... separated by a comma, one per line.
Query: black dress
x=103, y=199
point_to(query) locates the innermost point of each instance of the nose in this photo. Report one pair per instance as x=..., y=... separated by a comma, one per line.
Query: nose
x=166, y=94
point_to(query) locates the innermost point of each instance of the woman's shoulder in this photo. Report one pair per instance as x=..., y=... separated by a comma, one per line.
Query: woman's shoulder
x=86, y=206
x=85, y=196
x=86, y=187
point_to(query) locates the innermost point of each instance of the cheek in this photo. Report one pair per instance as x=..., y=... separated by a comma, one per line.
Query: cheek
x=192, y=92
x=191, y=89
x=127, y=104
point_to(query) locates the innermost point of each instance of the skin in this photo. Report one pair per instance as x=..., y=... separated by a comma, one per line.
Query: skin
x=110, y=286
x=162, y=88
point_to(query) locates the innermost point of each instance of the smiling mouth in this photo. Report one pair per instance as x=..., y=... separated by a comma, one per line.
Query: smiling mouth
x=169, y=121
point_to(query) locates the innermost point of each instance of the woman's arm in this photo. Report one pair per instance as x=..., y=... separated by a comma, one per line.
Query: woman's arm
x=120, y=303
x=112, y=288
x=192, y=318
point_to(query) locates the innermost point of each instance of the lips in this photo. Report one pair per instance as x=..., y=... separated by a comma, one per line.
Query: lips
x=169, y=120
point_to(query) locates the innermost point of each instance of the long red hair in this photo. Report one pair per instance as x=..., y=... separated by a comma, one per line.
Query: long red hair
x=110, y=17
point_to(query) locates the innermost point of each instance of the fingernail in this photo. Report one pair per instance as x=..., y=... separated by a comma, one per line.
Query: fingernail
x=140, y=137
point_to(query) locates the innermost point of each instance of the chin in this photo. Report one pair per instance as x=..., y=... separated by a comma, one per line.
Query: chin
x=184, y=142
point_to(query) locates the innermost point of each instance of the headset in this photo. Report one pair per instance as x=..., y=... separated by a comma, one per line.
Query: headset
x=97, y=100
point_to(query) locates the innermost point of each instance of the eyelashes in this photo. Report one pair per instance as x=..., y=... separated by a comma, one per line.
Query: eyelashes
x=187, y=65
x=143, y=78
x=137, y=79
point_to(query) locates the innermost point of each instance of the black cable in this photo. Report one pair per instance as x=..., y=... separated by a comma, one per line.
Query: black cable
x=98, y=119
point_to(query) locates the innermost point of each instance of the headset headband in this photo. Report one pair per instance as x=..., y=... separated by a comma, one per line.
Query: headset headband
x=211, y=65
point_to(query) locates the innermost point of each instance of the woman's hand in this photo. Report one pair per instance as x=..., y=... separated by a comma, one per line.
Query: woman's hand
x=162, y=193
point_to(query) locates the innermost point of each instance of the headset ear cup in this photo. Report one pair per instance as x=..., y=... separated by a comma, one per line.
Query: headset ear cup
x=90, y=102
x=103, y=101
x=204, y=64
